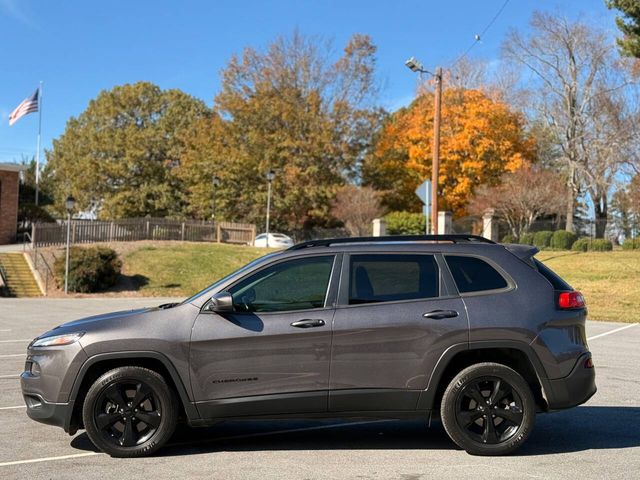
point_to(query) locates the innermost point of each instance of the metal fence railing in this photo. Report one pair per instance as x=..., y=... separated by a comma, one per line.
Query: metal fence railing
x=135, y=229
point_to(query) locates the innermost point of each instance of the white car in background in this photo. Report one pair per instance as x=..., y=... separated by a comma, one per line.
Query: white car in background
x=276, y=240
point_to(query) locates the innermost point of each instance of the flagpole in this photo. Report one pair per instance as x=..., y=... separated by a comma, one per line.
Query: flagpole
x=39, y=134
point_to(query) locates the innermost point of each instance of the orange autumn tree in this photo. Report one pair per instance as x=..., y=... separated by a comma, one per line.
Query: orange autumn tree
x=481, y=139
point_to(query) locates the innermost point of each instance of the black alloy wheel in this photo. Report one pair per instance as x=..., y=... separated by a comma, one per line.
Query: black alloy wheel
x=130, y=412
x=488, y=409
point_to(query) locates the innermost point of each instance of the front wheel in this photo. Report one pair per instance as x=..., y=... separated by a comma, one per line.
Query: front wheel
x=488, y=409
x=130, y=412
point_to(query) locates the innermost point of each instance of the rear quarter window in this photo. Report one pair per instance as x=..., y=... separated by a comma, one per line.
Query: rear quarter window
x=473, y=274
x=553, y=278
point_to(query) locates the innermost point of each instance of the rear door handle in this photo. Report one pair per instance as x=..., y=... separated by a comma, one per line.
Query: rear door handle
x=308, y=323
x=440, y=314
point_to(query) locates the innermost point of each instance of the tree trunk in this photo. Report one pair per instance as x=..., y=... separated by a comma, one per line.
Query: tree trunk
x=600, y=209
x=571, y=205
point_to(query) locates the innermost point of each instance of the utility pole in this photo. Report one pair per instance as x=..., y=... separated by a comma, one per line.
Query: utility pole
x=435, y=168
x=415, y=66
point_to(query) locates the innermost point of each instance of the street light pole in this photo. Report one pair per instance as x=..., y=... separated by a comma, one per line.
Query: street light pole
x=270, y=176
x=415, y=66
x=69, y=204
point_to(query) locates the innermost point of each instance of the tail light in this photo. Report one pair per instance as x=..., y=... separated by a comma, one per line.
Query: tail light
x=570, y=300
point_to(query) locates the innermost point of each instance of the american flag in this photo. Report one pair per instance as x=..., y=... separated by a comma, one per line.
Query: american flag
x=28, y=105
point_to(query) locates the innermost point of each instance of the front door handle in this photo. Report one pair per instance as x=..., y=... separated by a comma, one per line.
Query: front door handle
x=440, y=314
x=308, y=323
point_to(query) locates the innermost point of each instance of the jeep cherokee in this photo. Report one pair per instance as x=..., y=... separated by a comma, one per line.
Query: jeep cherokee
x=480, y=334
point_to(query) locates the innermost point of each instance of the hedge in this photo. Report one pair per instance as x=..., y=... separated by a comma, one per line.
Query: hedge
x=581, y=244
x=90, y=269
x=526, y=238
x=542, y=239
x=601, y=245
x=562, y=240
x=509, y=239
x=405, y=223
x=631, y=244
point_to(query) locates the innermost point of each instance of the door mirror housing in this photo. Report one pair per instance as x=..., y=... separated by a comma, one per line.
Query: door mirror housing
x=220, y=302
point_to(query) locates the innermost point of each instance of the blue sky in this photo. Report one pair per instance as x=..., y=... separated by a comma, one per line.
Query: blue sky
x=79, y=48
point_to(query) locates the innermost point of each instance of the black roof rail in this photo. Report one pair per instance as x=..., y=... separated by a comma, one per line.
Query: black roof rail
x=454, y=238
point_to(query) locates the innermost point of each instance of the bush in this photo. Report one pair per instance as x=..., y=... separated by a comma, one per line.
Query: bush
x=601, y=245
x=542, y=239
x=405, y=223
x=562, y=240
x=509, y=239
x=526, y=238
x=90, y=269
x=581, y=244
x=631, y=244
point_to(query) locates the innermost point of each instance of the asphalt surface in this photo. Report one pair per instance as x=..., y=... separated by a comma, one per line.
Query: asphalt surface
x=600, y=439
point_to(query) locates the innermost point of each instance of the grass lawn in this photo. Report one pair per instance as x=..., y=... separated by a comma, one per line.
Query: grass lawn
x=610, y=281
x=182, y=269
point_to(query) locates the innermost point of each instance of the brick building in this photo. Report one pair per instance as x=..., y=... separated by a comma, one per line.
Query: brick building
x=9, y=185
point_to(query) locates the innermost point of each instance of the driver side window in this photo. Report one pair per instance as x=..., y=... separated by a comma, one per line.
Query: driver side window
x=298, y=284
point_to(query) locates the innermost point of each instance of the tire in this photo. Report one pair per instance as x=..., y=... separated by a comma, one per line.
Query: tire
x=488, y=409
x=130, y=412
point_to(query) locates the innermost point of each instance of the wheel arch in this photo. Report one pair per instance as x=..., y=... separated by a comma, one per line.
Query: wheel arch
x=96, y=365
x=516, y=355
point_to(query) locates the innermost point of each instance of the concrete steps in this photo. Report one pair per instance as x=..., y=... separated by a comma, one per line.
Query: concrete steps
x=20, y=281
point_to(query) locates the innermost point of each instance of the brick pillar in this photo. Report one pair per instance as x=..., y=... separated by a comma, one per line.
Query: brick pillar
x=490, y=226
x=444, y=223
x=9, y=184
x=379, y=227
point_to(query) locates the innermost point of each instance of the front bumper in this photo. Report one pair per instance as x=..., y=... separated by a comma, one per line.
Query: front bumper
x=56, y=414
x=574, y=389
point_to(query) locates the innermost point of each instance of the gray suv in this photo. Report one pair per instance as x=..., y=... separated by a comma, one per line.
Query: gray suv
x=479, y=334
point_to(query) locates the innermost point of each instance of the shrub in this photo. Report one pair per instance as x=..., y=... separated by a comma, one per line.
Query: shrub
x=405, y=223
x=509, y=239
x=581, y=244
x=542, y=239
x=601, y=245
x=526, y=238
x=631, y=244
x=562, y=240
x=90, y=269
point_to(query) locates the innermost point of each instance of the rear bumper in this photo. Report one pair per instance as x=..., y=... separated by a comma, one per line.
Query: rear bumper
x=574, y=389
x=56, y=414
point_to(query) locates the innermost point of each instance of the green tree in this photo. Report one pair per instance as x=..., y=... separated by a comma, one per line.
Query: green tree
x=290, y=109
x=629, y=24
x=121, y=151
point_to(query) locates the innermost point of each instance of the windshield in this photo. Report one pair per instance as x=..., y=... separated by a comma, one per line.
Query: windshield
x=248, y=266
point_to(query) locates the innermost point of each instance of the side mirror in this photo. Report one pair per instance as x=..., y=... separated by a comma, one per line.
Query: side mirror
x=221, y=302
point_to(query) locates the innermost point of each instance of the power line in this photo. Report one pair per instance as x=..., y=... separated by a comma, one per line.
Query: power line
x=479, y=37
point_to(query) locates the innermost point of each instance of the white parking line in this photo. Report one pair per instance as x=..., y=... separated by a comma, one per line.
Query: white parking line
x=5, y=329
x=612, y=331
x=14, y=355
x=16, y=341
x=250, y=435
x=13, y=407
x=9, y=376
x=48, y=459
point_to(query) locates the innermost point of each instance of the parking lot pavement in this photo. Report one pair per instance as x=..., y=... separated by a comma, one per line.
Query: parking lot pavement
x=600, y=439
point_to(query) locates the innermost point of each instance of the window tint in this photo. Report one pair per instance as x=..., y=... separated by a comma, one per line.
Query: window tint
x=472, y=274
x=387, y=278
x=553, y=278
x=294, y=285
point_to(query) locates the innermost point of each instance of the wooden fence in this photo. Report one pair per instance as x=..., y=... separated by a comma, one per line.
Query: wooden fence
x=134, y=229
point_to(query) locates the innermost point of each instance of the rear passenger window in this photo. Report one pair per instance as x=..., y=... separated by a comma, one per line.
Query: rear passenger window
x=472, y=274
x=388, y=278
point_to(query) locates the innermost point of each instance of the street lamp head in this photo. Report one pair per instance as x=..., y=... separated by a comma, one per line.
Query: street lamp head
x=216, y=180
x=414, y=65
x=271, y=175
x=70, y=204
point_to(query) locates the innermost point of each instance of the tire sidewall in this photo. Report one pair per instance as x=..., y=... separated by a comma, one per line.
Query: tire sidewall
x=163, y=395
x=450, y=401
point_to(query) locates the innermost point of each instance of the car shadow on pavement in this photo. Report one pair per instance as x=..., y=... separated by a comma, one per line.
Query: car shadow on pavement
x=578, y=429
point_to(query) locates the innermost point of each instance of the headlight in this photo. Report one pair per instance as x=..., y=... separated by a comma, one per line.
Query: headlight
x=56, y=340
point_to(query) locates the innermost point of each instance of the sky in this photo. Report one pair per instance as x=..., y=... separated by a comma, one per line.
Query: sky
x=78, y=48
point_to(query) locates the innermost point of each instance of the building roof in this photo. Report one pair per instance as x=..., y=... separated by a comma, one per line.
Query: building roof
x=12, y=167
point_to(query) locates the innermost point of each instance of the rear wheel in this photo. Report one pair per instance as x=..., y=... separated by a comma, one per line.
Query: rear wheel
x=130, y=412
x=488, y=409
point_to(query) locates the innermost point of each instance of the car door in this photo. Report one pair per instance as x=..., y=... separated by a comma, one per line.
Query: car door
x=272, y=353
x=396, y=314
